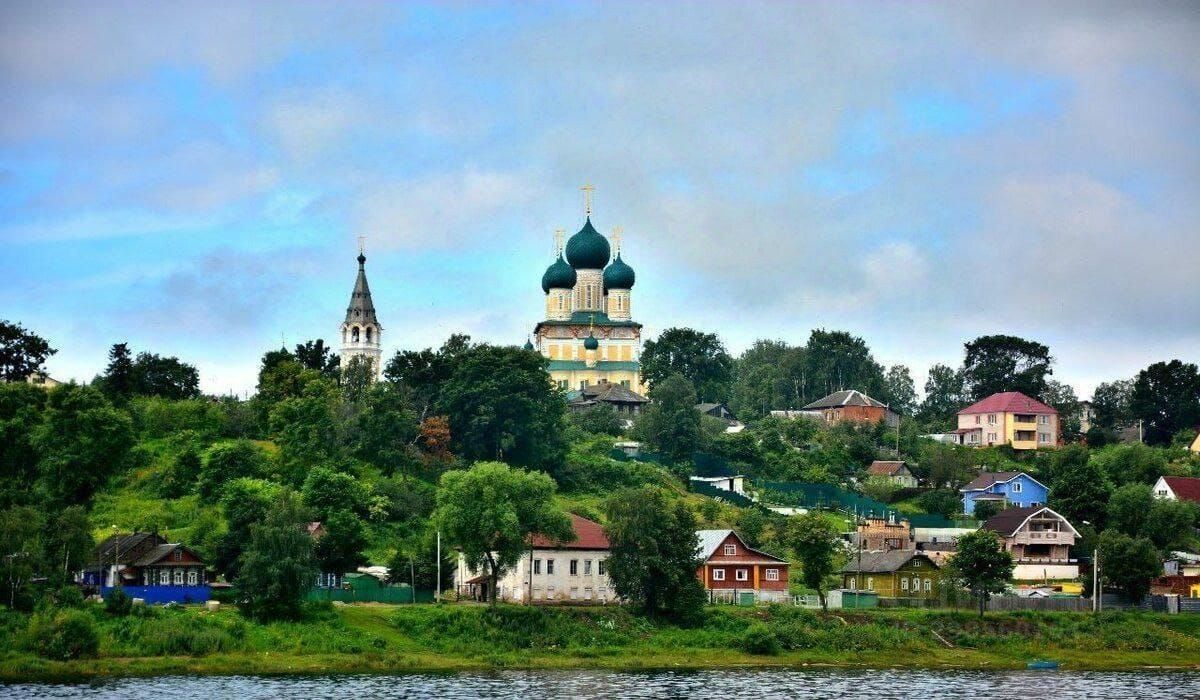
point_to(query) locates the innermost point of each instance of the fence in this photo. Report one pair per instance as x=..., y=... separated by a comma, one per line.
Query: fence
x=1154, y=603
x=160, y=595
x=711, y=491
x=386, y=594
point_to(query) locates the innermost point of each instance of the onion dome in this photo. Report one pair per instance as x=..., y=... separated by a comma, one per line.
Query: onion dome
x=590, y=342
x=588, y=250
x=618, y=275
x=559, y=275
x=528, y=344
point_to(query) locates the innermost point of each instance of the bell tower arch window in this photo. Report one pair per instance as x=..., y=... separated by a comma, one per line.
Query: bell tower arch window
x=354, y=334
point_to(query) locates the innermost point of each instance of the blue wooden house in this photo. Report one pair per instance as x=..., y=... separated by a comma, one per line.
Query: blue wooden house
x=1010, y=489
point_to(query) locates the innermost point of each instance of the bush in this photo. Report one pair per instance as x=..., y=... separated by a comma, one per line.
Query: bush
x=62, y=636
x=118, y=602
x=759, y=639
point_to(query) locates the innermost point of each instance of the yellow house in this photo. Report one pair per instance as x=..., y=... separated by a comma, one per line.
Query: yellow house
x=1194, y=591
x=1008, y=418
x=1195, y=446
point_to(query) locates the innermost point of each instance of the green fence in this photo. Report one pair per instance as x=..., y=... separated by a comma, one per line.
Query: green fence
x=711, y=491
x=385, y=594
x=802, y=495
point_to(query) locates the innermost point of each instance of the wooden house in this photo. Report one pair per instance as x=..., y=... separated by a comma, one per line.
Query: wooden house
x=730, y=567
x=899, y=573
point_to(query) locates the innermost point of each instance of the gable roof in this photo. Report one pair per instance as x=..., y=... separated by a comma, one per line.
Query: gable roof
x=612, y=393
x=1185, y=488
x=711, y=539
x=161, y=552
x=846, y=397
x=588, y=535
x=881, y=467
x=1008, y=522
x=1008, y=402
x=123, y=546
x=986, y=479
x=884, y=562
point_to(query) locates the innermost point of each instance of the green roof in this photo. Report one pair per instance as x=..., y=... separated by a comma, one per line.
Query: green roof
x=591, y=318
x=563, y=365
x=559, y=275
x=618, y=275
x=588, y=250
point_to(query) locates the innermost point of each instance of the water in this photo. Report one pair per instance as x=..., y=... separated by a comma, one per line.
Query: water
x=724, y=684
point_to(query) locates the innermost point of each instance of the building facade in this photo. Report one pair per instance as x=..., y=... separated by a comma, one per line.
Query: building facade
x=899, y=573
x=853, y=405
x=1008, y=418
x=589, y=335
x=1009, y=489
x=1040, y=541
x=361, y=332
x=730, y=567
x=884, y=534
x=895, y=471
x=1178, y=488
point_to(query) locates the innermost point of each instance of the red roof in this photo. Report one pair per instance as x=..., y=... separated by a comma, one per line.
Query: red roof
x=1186, y=488
x=588, y=535
x=1008, y=402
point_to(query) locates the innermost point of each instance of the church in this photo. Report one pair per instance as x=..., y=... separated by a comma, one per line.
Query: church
x=589, y=335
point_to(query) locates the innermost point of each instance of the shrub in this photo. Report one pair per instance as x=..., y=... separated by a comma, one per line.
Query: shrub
x=62, y=636
x=759, y=639
x=118, y=602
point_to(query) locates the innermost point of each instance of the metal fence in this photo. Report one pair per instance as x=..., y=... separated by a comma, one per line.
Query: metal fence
x=386, y=594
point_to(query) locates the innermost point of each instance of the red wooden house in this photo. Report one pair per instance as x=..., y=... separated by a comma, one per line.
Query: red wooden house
x=731, y=568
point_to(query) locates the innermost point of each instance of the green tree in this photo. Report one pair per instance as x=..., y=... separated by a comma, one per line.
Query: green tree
x=942, y=502
x=167, y=377
x=1062, y=398
x=815, y=543
x=1080, y=492
x=1110, y=402
x=699, y=357
x=899, y=391
x=21, y=353
x=1128, y=508
x=1128, y=563
x=118, y=379
x=387, y=428
x=227, y=461
x=1134, y=463
x=340, y=549
x=82, y=440
x=415, y=563
x=327, y=491
x=765, y=379
x=671, y=424
x=984, y=510
x=491, y=510
x=996, y=363
x=315, y=355
x=981, y=565
x=502, y=405
x=68, y=543
x=1166, y=398
x=654, y=554
x=306, y=427
x=21, y=407
x=751, y=524
x=835, y=360
x=945, y=395
x=601, y=419
x=357, y=378
x=20, y=554
x=277, y=568
x=1169, y=524
x=425, y=372
x=244, y=502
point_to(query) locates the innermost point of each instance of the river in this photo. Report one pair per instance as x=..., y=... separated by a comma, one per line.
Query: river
x=723, y=684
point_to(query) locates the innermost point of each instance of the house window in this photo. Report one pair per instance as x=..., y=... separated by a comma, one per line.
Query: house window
x=976, y=420
x=1043, y=438
x=193, y=577
x=549, y=567
x=1044, y=420
x=1016, y=487
x=718, y=574
x=164, y=577
x=574, y=592
x=916, y=563
x=147, y=578
x=870, y=583
x=549, y=592
x=574, y=567
x=991, y=437
x=587, y=593
x=600, y=567
x=177, y=555
x=991, y=419
x=928, y=585
x=916, y=585
x=904, y=584
x=730, y=550
x=537, y=566
x=178, y=577
x=741, y=575
x=587, y=567
x=772, y=574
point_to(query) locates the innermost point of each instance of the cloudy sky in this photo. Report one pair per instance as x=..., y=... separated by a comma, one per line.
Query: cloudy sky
x=192, y=178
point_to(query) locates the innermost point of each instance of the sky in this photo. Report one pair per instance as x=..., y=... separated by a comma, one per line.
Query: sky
x=192, y=178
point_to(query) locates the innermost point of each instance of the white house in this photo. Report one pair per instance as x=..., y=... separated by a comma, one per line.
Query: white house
x=550, y=572
x=1178, y=488
x=734, y=484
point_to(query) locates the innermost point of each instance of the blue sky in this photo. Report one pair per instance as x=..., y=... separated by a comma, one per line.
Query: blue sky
x=191, y=178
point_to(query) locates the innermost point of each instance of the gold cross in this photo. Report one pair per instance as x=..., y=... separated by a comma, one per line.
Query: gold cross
x=362, y=244
x=587, y=198
x=616, y=236
x=559, y=234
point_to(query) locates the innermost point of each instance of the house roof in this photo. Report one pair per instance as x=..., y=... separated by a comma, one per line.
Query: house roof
x=611, y=393
x=1008, y=522
x=986, y=479
x=588, y=535
x=1185, y=488
x=846, y=397
x=711, y=539
x=883, y=562
x=1007, y=402
x=361, y=308
x=161, y=552
x=123, y=546
x=882, y=467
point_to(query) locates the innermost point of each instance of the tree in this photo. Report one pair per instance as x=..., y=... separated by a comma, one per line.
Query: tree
x=315, y=355
x=327, y=491
x=306, y=427
x=946, y=466
x=981, y=565
x=277, y=568
x=1110, y=402
x=180, y=478
x=751, y=523
x=118, y=380
x=357, y=378
x=671, y=424
x=945, y=394
x=244, y=502
x=899, y=391
x=21, y=353
x=601, y=419
x=415, y=563
x=340, y=549
x=227, y=461
x=835, y=360
x=1128, y=507
x=941, y=502
x=654, y=553
x=996, y=363
x=68, y=543
x=167, y=377
x=757, y=390
x=699, y=357
x=502, y=405
x=1169, y=524
x=984, y=510
x=21, y=407
x=815, y=543
x=1128, y=563
x=491, y=510
x=81, y=440
x=1080, y=492
x=20, y=554
x=424, y=372
x=1166, y=398
x=1134, y=463
x=387, y=428
x=1062, y=398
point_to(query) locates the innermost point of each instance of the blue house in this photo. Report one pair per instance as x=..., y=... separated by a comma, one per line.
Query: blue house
x=146, y=566
x=1010, y=489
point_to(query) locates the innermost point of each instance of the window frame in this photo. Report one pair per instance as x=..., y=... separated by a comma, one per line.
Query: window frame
x=741, y=575
x=772, y=574
x=573, y=568
x=729, y=550
x=718, y=574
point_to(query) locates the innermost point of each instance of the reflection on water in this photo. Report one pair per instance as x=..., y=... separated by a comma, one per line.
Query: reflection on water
x=725, y=684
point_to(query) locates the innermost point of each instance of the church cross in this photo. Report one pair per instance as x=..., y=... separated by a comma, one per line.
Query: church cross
x=587, y=198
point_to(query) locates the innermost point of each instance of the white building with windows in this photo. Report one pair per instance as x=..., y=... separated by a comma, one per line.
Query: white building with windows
x=550, y=572
x=361, y=332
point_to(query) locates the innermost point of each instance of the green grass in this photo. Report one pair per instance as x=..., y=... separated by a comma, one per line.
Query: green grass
x=380, y=638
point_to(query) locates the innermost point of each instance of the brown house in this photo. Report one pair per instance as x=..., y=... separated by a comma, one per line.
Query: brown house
x=853, y=405
x=1040, y=541
x=884, y=534
x=732, y=567
x=895, y=471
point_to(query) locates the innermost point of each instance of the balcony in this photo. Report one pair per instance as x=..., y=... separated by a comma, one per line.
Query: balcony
x=1024, y=444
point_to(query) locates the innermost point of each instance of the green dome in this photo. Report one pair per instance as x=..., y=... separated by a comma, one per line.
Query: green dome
x=618, y=275
x=528, y=344
x=588, y=250
x=590, y=342
x=559, y=275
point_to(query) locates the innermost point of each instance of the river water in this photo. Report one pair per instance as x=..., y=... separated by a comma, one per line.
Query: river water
x=723, y=684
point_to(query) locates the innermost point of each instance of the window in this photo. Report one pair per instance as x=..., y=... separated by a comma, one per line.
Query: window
x=1043, y=438
x=870, y=583
x=164, y=577
x=587, y=567
x=354, y=334
x=772, y=574
x=178, y=577
x=537, y=566
x=147, y=578
x=928, y=585
x=974, y=437
x=718, y=574
x=1044, y=420
x=574, y=567
x=574, y=592
x=916, y=584
x=177, y=555
x=991, y=419
x=976, y=420
x=991, y=437
x=916, y=563
x=600, y=566
x=730, y=550
x=741, y=575
x=587, y=593
x=193, y=577
x=549, y=592
x=1016, y=487
x=549, y=567
x=904, y=584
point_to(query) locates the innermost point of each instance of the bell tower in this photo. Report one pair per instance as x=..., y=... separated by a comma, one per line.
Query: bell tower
x=362, y=333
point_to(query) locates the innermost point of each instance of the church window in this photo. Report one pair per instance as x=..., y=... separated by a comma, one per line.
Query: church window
x=369, y=334
x=354, y=334
x=589, y=296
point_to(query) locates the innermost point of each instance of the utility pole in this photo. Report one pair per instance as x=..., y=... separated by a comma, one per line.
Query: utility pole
x=1096, y=580
x=437, y=590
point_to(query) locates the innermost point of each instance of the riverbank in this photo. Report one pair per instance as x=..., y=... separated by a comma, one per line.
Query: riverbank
x=390, y=639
